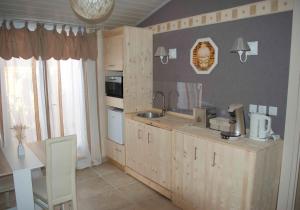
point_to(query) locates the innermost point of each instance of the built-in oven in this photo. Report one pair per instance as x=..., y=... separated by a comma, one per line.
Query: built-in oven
x=114, y=86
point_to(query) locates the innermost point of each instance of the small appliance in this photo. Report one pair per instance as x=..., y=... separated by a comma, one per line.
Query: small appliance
x=114, y=86
x=115, y=125
x=260, y=126
x=237, y=121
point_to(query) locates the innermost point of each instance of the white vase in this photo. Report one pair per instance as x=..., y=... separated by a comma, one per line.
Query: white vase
x=21, y=151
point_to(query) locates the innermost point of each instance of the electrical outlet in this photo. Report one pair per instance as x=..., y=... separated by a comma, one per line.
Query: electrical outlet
x=262, y=109
x=273, y=110
x=173, y=53
x=252, y=108
x=253, y=48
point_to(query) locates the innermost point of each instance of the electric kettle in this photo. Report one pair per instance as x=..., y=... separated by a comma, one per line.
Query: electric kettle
x=260, y=126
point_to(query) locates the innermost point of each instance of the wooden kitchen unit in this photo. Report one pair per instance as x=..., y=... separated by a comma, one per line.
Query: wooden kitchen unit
x=197, y=169
x=128, y=50
x=211, y=173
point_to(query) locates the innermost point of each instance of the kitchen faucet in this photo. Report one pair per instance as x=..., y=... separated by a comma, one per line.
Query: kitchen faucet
x=163, y=109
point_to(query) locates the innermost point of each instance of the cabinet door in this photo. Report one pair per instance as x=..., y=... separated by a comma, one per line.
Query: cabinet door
x=113, y=52
x=132, y=136
x=190, y=170
x=159, y=155
x=115, y=152
x=229, y=178
x=136, y=147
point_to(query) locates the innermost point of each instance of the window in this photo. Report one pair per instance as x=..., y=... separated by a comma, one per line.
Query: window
x=46, y=96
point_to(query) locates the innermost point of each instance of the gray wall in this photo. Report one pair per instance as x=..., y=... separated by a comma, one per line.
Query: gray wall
x=262, y=80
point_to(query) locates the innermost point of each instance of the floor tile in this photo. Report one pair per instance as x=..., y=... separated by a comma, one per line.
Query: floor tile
x=84, y=174
x=105, y=169
x=119, y=179
x=111, y=200
x=138, y=192
x=91, y=187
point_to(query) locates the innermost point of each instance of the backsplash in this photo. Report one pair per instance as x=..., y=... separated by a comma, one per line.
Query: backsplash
x=262, y=80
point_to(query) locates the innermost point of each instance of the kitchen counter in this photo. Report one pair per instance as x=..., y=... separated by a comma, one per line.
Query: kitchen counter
x=169, y=122
x=240, y=142
x=186, y=124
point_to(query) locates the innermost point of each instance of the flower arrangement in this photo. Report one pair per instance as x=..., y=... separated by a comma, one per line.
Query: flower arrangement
x=19, y=131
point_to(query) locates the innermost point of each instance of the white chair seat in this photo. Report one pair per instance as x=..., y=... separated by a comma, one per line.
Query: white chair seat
x=40, y=188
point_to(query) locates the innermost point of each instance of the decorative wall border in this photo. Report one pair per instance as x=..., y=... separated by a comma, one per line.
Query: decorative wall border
x=260, y=8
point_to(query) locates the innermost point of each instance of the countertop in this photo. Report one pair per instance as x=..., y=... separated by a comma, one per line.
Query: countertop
x=186, y=124
x=239, y=142
x=169, y=121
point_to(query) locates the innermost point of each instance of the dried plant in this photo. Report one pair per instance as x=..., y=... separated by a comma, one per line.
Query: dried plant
x=19, y=131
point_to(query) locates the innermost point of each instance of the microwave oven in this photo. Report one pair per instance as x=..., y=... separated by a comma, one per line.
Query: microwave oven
x=114, y=86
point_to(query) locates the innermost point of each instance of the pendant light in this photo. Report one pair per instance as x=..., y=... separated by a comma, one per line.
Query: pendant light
x=93, y=11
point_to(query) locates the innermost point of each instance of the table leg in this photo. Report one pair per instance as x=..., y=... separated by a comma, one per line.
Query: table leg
x=23, y=189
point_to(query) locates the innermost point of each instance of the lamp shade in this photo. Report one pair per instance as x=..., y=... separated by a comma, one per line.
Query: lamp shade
x=161, y=51
x=92, y=11
x=240, y=45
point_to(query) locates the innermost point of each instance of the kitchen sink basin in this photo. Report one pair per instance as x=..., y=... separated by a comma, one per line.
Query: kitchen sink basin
x=149, y=115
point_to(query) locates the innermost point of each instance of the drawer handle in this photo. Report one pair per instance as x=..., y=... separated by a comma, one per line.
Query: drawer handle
x=111, y=65
x=214, y=160
x=195, y=153
x=148, y=138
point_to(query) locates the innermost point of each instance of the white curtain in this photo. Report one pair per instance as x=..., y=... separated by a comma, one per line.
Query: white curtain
x=62, y=83
x=73, y=101
x=17, y=97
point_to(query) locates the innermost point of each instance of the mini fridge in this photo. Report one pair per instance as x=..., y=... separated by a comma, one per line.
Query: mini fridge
x=115, y=125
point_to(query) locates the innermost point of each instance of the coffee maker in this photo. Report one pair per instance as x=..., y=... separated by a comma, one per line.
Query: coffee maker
x=237, y=122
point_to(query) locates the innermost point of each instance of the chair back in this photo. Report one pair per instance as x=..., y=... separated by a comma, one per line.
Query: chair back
x=60, y=169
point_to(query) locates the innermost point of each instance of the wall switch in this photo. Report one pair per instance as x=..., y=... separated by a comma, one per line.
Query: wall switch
x=273, y=110
x=253, y=48
x=262, y=109
x=252, y=108
x=173, y=53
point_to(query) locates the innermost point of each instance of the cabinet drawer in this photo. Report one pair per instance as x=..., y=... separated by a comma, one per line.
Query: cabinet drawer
x=115, y=151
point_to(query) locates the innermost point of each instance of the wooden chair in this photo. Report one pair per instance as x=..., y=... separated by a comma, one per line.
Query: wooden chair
x=58, y=186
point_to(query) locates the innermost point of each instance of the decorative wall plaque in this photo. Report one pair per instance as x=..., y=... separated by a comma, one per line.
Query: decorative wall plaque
x=204, y=56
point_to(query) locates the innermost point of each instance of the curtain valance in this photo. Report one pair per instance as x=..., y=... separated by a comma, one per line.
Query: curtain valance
x=46, y=43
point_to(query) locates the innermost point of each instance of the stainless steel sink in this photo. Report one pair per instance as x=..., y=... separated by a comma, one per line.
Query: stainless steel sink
x=149, y=115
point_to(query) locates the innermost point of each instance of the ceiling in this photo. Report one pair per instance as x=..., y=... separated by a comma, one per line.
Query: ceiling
x=126, y=12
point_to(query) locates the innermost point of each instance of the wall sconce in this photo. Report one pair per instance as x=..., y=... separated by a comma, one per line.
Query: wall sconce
x=241, y=47
x=161, y=52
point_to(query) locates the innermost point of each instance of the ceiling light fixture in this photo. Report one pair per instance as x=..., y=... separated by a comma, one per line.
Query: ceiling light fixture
x=93, y=11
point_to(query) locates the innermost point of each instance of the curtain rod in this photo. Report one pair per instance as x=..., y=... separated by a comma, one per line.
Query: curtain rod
x=42, y=21
x=45, y=22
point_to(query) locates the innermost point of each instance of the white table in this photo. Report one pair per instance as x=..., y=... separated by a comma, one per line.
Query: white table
x=21, y=169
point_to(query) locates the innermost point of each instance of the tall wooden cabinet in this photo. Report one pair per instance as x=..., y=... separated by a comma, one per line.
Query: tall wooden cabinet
x=148, y=152
x=213, y=175
x=129, y=50
x=113, y=42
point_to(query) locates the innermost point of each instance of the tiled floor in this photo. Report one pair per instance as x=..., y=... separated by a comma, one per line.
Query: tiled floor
x=107, y=188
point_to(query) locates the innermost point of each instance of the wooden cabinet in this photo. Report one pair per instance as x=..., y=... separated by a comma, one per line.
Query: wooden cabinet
x=116, y=152
x=213, y=175
x=113, y=50
x=130, y=50
x=148, y=152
